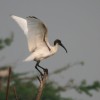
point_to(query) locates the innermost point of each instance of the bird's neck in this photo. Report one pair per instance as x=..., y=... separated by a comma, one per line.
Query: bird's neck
x=54, y=48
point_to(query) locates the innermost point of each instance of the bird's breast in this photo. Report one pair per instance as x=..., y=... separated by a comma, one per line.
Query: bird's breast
x=42, y=54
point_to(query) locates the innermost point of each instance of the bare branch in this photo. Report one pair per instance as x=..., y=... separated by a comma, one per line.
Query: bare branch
x=8, y=83
x=15, y=93
x=42, y=81
x=57, y=71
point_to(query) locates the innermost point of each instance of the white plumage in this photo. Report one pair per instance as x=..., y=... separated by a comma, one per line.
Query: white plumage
x=36, y=33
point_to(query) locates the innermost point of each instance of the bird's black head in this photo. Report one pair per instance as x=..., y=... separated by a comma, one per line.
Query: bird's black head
x=57, y=41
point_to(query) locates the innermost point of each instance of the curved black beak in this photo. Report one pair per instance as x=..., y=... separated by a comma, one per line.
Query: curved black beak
x=63, y=47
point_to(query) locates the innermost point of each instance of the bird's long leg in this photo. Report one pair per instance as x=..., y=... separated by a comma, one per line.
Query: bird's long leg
x=36, y=66
x=44, y=69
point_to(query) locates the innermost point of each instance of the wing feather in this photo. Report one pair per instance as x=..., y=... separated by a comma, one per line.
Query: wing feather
x=21, y=22
x=36, y=33
x=35, y=30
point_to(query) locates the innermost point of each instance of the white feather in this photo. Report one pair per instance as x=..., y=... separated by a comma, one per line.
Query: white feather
x=34, y=29
x=21, y=22
x=36, y=33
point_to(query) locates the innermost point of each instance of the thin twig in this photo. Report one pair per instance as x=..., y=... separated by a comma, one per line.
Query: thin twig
x=15, y=93
x=42, y=81
x=0, y=83
x=8, y=83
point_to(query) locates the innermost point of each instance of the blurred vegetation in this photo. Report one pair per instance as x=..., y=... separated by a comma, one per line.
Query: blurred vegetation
x=26, y=88
x=6, y=42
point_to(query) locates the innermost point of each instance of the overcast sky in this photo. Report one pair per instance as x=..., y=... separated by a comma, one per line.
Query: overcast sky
x=75, y=22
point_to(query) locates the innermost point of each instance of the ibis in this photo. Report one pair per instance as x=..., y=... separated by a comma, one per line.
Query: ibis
x=36, y=33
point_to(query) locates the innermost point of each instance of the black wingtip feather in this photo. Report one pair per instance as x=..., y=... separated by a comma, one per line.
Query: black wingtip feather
x=32, y=17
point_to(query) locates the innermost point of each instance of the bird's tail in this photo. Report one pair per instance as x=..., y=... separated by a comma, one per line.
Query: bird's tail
x=29, y=58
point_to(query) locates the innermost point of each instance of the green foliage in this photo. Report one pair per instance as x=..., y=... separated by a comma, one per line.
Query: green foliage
x=52, y=94
x=6, y=42
x=1, y=44
x=85, y=88
x=27, y=90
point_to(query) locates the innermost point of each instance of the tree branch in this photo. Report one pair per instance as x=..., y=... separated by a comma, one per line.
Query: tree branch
x=42, y=81
x=8, y=84
x=15, y=93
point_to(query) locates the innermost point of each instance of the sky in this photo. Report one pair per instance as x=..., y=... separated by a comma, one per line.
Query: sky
x=75, y=22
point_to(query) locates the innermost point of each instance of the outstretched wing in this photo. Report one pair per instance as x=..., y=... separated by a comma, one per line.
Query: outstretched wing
x=35, y=30
x=21, y=22
x=36, y=33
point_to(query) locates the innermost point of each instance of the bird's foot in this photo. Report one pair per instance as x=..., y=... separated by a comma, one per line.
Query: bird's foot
x=42, y=75
x=45, y=70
